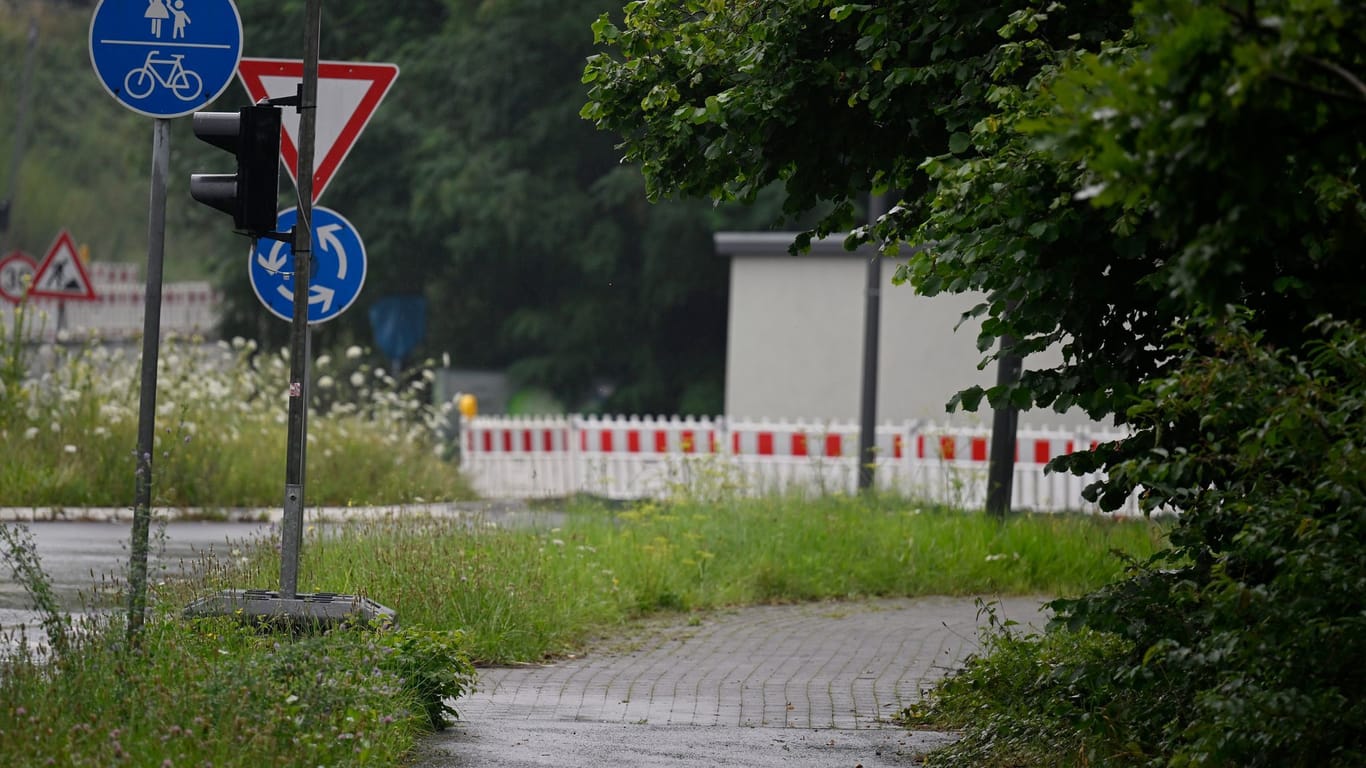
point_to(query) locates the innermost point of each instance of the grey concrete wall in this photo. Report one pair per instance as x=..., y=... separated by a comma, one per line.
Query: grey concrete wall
x=795, y=346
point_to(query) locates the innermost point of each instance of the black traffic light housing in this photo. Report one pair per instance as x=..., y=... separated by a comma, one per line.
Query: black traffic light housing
x=252, y=134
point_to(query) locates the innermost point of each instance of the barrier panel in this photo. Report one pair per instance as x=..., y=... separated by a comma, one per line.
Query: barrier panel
x=187, y=309
x=636, y=457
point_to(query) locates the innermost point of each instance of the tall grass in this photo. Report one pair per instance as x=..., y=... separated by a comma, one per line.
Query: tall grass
x=68, y=429
x=525, y=595
x=214, y=693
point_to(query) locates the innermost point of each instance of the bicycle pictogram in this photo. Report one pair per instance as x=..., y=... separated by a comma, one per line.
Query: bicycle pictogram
x=185, y=84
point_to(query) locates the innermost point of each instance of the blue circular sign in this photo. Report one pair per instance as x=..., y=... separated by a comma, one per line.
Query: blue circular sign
x=165, y=58
x=338, y=267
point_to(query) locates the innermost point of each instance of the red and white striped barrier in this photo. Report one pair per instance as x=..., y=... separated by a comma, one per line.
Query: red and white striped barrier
x=651, y=457
x=187, y=308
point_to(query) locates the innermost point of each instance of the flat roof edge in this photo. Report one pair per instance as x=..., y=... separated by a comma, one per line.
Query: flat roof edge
x=777, y=243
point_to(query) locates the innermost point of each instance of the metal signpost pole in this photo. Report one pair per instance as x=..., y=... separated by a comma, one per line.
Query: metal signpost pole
x=162, y=72
x=292, y=530
x=147, y=406
x=872, y=307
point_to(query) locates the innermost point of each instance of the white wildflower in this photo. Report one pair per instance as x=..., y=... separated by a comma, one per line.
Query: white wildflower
x=353, y=352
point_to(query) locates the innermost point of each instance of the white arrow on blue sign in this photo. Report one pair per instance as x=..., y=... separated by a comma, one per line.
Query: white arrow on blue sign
x=338, y=267
x=165, y=58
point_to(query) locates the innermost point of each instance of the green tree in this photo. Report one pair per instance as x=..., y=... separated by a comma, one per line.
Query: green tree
x=984, y=115
x=478, y=186
x=1125, y=183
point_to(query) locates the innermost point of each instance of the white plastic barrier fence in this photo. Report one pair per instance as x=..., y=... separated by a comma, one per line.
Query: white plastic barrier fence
x=633, y=457
x=187, y=309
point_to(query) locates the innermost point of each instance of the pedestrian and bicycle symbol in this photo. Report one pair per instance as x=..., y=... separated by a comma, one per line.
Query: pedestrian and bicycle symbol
x=165, y=58
x=186, y=85
x=339, y=267
x=158, y=10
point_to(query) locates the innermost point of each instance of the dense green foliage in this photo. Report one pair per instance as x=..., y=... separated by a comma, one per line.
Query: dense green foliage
x=1242, y=644
x=1089, y=188
x=475, y=185
x=1122, y=182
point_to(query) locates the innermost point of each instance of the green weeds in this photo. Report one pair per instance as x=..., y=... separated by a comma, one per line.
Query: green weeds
x=1023, y=701
x=208, y=693
x=214, y=692
x=524, y=595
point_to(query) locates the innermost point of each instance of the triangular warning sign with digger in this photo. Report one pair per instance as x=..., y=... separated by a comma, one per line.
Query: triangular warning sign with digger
x=61, y=275
x=348, y=93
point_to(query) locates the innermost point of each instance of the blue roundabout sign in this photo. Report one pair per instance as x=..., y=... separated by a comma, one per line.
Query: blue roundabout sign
x=338, y=267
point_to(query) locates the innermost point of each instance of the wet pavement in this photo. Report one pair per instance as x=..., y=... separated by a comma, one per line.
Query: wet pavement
x=82, y=559
x=806, y=685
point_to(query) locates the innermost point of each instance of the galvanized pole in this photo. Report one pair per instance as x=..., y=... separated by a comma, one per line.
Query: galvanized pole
x=291, y=536
x=872, y=307
x=147, y=406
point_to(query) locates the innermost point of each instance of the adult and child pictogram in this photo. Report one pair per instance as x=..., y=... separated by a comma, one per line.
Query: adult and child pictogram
x=165, y=58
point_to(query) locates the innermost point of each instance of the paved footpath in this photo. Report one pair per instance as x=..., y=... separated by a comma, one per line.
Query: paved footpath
x=807, y=685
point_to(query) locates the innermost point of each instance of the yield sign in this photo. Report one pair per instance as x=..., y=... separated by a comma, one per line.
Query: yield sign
x=61, y=275
x=348, y=93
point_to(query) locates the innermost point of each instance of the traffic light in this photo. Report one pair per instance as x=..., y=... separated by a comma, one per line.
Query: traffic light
x=252, y=134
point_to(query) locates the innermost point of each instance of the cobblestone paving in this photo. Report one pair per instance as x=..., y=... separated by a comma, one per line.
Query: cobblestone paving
x=829, y=665
x=793, y=686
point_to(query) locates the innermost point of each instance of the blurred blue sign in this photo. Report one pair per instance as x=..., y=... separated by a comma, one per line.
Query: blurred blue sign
x=399, y=324
x=165, y=58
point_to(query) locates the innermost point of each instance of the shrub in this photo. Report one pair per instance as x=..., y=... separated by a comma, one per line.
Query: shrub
x=435, y=668
x=1242, y=644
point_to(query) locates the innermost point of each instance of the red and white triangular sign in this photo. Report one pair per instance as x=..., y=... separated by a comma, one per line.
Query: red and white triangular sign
x=348, y=93
x=61, y=275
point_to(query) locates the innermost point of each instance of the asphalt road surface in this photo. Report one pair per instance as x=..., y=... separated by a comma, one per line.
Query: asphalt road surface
x=80, y=558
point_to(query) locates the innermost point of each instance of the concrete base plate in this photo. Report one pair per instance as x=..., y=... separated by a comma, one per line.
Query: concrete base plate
x=321, y=610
